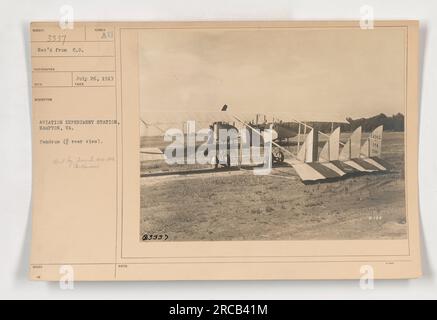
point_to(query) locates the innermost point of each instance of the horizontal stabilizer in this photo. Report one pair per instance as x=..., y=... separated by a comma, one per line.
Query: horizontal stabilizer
x=308, y=173
x=151, y=154
x=320, y=171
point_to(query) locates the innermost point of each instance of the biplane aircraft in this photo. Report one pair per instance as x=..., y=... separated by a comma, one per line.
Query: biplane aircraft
x=315, y=156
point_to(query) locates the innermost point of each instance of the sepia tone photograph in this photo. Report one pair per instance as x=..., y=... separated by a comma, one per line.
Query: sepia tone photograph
x=251, y=134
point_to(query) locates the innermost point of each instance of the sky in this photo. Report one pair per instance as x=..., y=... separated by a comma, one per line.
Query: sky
x=310, y=74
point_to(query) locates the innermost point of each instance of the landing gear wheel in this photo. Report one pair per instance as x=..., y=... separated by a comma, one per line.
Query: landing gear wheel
x=277, y=155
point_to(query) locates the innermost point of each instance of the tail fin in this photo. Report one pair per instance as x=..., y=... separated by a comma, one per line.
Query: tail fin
x=352, y=148
x=372, y=146
x=330, y=150
x=305, y=153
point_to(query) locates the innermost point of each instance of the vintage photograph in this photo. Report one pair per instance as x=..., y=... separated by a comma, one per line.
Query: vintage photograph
x=272, y=134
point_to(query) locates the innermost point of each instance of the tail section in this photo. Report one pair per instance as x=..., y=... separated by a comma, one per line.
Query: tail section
x=353, y=159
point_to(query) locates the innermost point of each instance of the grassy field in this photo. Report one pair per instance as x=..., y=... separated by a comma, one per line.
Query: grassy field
x=242, y=206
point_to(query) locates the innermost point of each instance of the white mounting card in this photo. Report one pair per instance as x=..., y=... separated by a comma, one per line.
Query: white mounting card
x=170, y=150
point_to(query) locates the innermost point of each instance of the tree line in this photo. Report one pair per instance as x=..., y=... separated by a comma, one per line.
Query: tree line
x=390, y=123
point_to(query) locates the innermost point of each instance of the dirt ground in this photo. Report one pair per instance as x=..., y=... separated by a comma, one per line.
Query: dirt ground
x=241, y=206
